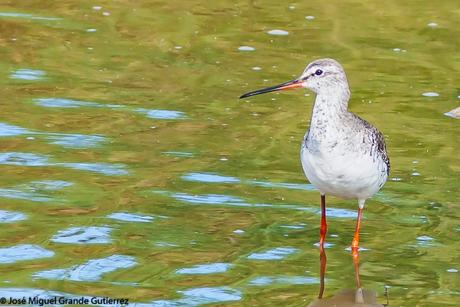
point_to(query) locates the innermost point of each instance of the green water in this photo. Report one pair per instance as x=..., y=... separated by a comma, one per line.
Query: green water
x=130, y=168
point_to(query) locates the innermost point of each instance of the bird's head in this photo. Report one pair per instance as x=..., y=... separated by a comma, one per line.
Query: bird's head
x=323, y=74
x=319, y=76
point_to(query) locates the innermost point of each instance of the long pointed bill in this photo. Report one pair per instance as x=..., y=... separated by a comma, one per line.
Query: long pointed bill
x=283, y=86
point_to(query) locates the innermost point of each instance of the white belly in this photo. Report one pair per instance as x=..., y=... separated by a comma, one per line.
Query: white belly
x=344, y=174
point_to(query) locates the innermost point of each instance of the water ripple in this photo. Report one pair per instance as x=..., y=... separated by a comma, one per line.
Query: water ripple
x=209, y=178
x=273, y=254
x=67, y=140
x=209, y=199
x=216, y=178
x=28, y=74
x=11, y=216
x=338, y=212
x=48, y=185
x=294, y=186
x=26, y=16
x=31, y=159
x=24, y=195
x=430, y=94
x=130, y=217
x=75, y=140
x=11, y=130
x=228, y=200
x=454, y=113
x=23, y=159
x=181, y=154
x=92, y=270
x=34, y=190
x=208, y=268
x=161, y=114
x=301, y=226
x=278, y=32
x=201, y=296
x=246, y=48
x=425, y=241
x=101, y=168
x=83, y=235
x=285, y=280
x=23, y=252
x=71, y=103
x=64, y=103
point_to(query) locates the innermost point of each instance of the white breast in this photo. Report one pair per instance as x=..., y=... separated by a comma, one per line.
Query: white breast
x=343, y=173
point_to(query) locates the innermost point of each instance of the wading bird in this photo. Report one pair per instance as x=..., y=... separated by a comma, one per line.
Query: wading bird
x=341, y=154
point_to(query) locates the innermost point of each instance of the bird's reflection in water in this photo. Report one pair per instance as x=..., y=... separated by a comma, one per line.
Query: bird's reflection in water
x=345, y=298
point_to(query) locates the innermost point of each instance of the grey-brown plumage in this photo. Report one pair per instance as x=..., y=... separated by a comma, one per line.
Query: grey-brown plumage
x=341, y=154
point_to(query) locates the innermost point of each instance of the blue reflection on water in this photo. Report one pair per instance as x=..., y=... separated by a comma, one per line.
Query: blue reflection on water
x=34, y=190
x=23, y=252
x=227, y=200
x=64, y=103
x=76, y=140
x=338, y=212
x=294, y=186
x=31, y=159
x=161, y=114
x=332, y=212
x=200, y=296
x=273, y=254
x=329, y=245
x=23, y=159
x=71, y=103
x=165, y=244
x=83, y=235
x=11, y=130
x=425, y=241
x=301, y=226
x=209, y=295
x=209, y=177
x=101, y=168
x=130, y=217
x=67, y=140
x=182, y=154
x=284, y=280
x=209, y=199
x=26, y=16
x=91, y=270
x=17, y=194
x=216, y=178
x=28, y=74
x=11, y=216
x=48, y=185
x=209, y=268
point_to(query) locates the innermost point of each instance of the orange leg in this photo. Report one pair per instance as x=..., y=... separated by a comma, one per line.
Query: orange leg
x=322, y=252
x=355, y=242
x=322, y=270
x=323, y=228
x=355, y=255
x=359, y=298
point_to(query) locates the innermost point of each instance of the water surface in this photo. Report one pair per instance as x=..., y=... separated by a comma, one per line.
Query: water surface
x=130, y=168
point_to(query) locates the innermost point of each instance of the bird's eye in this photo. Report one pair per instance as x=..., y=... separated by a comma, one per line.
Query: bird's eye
x=318, y=72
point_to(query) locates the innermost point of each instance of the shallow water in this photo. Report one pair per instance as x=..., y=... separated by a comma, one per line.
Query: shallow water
x=131, y=169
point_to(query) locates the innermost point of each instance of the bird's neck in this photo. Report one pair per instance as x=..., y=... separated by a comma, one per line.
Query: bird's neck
x=331, y=107
x=331, y=101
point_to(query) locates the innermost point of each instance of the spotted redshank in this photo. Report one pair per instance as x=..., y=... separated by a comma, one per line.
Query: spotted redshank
x=342, y=155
